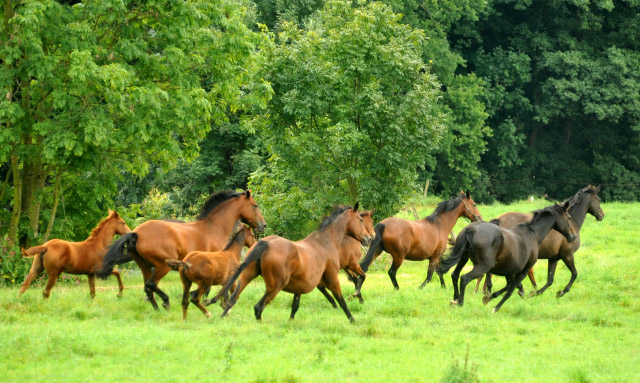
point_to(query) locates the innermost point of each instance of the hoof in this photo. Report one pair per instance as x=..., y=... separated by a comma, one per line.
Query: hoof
x=119, y=294
x=208, y=315
x=166, y=305
x=560, y=294
x=352, y=320
x=495, y=310
x=533, y=293
x=521, y=293
x=486, y=299
x=454, y=302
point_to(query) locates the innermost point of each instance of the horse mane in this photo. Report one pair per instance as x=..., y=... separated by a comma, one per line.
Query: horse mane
x=551, y=209
x=445, y=206
x=332, y=217
x=234, y=239
x=215, y=200
x=99, y=226
x=577, y=198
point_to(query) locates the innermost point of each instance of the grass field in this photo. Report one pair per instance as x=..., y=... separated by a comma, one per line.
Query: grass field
x=590, y=335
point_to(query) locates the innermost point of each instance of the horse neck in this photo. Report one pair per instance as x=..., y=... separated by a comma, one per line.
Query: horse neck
x=579, y=212
x=448, y=219
x=542, y=226
x=222, y=219
x=237, y=245
x=103, y=236
x=335, y=232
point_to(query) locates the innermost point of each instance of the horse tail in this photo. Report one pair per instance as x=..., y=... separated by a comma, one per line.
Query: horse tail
x=117, y=255
x=175, y=265
x=254, y=255
x=463, y=244
x=30, y=252
x=375, y=247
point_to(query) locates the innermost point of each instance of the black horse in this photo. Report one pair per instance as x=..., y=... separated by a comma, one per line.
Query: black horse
x=555, y=247
x=510, y=253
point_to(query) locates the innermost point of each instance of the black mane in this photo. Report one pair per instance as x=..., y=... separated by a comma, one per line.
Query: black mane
x=332, y=217
x=445, y=206
x=554, y=209
x=577, y=198
x=215, y=200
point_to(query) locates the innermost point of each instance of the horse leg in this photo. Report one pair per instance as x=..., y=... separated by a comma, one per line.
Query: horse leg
x=574, y=274
x=120, y=285
x=455, y=275
x=92, y=285
x=488, y=285
x=186, y=285
x=397, y=262
x=551, y=272
x=478, y=281
x=202, y=289
x=151, y=286
x=146, y=270
x=246, y=276
x=333, y=284
x=324, y=292
x=488, y=296
x=476, y=272
x=517, y=280
x=532, y=278
x=295, y=304
x=433, y=262
x=36, y=268
x=51, y=281
x=355, y=269
x=268, y=296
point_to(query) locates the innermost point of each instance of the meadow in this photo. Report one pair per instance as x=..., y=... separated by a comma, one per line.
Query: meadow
x=590, y=335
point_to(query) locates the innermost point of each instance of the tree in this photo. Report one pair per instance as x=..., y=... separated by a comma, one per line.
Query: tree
x=353, y=114
x=102, y=86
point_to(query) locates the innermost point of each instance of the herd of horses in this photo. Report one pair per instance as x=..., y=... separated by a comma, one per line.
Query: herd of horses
x=207, y=251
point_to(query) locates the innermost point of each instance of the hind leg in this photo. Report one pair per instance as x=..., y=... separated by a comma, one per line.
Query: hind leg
x=186, y=285
x=51, y=281
x=433, y=262
x=355, y=271
x=116, y=274
x=36, y=269
x=92, y=285
x=455, y=275
x=574, y=274
x=145, y=268
x=246, y=276
x=324, y=292
x=268, y=296
x=551, y=272
x=517, y=280
x=397, y=262
x=202, y=289
x=476, y=272
x=295, y=304
x=362, y=277
x=151, y=286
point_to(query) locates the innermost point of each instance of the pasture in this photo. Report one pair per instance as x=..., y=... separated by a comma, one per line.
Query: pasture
x=590, y=335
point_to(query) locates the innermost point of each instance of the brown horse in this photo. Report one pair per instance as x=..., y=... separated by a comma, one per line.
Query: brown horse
x=298, y=267
x=555, y=247
x=57, y=256
x=152, y=243
x=418, y=240
x=350, y=253
x=206, y=269
x=510, y=253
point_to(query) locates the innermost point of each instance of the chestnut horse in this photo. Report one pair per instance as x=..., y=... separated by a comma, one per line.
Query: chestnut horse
x=418, y=240
x=555, y=247
x=57, y=256
x=350, y=253
x=507, y=252
x=206, y=269
x=298, y=267
x=152, y=243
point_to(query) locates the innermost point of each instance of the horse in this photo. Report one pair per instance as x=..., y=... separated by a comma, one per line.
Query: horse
x=350, y=253
x=57, y=256
x=152, y=243
x=418, y=240
x=206, y=269
x=507, y=252
x=555, y=247
x=297, y=267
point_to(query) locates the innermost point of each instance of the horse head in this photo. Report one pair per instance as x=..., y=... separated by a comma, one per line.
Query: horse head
x=367, y=225
x=471, y=210
x=250, y=213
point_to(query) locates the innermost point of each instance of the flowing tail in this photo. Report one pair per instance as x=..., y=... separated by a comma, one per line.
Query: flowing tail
x=37, y=266
x=30, y=252
x=117, y=253
x=175, y=265
x=463, y=244
x=254, y=255
x=375, y=247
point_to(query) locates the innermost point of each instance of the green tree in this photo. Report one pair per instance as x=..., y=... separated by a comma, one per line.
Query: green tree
x=92, y=89
x=353, y=114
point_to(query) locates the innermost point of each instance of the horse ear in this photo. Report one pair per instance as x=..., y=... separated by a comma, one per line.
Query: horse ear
x=355, y=207
x=372, y=211
x=468, y=194
x=247, y=193
x=565, y=205
x=598, y=188
x=115, y=213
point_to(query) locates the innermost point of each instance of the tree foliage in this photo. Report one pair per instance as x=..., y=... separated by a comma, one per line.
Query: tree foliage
x=353, y=115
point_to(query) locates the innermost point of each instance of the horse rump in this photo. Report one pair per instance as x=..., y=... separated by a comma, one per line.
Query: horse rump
x=118, y=253
x=463, y=243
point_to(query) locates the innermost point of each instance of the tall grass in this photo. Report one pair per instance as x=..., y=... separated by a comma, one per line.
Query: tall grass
x=410, y=335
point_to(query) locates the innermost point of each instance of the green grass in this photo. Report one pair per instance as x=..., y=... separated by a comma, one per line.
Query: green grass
x=590, y=335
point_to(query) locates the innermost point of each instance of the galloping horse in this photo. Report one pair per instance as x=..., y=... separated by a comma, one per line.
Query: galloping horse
x=152, y=243
x=418, y=240
x=350, y=254
x=298, y=267
x=57, y=256
x=555, y=247
x=510, y=253
x=207, y=269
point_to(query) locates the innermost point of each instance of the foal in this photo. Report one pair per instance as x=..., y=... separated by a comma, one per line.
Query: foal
x=510, y=253
x=207, y=269
x=57, y=256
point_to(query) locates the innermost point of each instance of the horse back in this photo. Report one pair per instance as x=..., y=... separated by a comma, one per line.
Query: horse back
x=171, y=240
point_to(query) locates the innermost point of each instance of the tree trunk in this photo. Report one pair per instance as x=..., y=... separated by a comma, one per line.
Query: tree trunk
x=54, y=208
x=17, y=197
x=353, y=189
x=36, y=197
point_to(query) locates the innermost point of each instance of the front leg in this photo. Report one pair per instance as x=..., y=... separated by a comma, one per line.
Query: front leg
x=324, y=292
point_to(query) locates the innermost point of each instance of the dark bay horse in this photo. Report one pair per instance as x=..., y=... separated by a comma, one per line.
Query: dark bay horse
x=210, y=268
x=555, y=247
x=57, y=256
x=507, y=252
x=298, y=267
x=152, y=243
x=418, y=240
x=350, y=253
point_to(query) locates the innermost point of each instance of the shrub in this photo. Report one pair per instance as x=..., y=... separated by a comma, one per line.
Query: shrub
x=13, y=268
